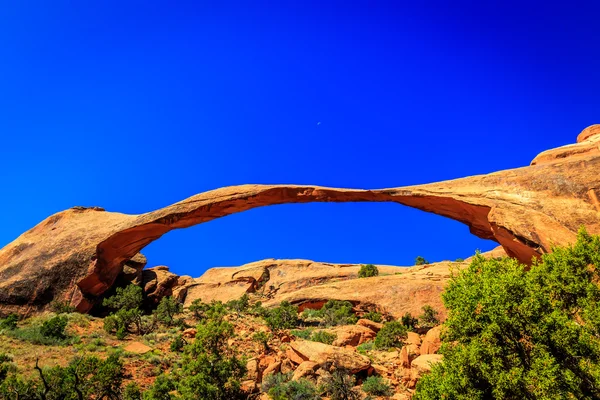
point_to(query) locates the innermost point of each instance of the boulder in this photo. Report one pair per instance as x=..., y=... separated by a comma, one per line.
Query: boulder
x=323, y=354
x=431, y=342
x=374, y=326
x=425, y=362
x=351, y=335
x=137, y=348
x=304, y=370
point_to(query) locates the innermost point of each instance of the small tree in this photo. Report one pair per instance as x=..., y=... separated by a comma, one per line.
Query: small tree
x=376, y=386
x=421, y=261
x=367, y=271
x=198, y=308
x=177, y=344
x=10, y=322
x=54, y=327
x=240, y=305
x=167, y=309
x=391, y=335
x=283, y=317
x=340, y=385
x=409, y=321
x=429, y=318
x=337, y=312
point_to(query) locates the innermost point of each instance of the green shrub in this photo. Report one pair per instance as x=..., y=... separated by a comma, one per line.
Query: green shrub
x=336, y=312
x=198, y=308
x=367, y=271
x=459, y=260
x=391, y=335
x=340, y=385
x=376, y=386
x=520, y=332
x=303, y=333
x=177, y=344
x=54, y=327
x=429, y=318
x=10, y=322
x=167, y=309
x=132, y=392
x=240, y=305
x=421, y=261
x=323, y=337
x=130, y=297
x=409, y=321
x=161, y=389
x=210, y=368
x=61, y=307
x=364, y=347
x=283, y=317
x=279, y=387
x=373, y=316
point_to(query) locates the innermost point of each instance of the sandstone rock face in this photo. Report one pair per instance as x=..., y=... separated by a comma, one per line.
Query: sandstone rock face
x=77, y=254
x=159, y=282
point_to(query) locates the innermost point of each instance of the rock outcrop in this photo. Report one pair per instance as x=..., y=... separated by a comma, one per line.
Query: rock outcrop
x=77, y=254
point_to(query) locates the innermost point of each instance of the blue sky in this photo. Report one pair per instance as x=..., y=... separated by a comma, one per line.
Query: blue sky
x=135, y=105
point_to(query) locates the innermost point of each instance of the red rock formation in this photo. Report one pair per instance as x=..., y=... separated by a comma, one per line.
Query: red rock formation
x=78, y=253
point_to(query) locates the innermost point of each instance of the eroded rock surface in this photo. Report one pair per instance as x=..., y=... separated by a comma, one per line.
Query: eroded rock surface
x=77, y=254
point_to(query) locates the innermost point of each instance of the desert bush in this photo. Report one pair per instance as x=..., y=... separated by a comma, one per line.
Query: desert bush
x=10, y=322
x=520, y=332
x=130, y=297
x=198, y=309
x=132, y=392
x=167, y=310
x=54, y=327
x=240, y=305
x=127, y=302
x=302, y=333
x=391, y=335
x=421, y=261
x=177, y=344
x=373, y=316
x=280, y=387
x=161, y=389
x=376, y=386
x=364, y=347
x=340, y=385
x=336, y=312
x=429, y=318
x=367, y=271
x=409, y=321
x=210, y=368
x=61, y=307
x=323, y=337
x=283, y=317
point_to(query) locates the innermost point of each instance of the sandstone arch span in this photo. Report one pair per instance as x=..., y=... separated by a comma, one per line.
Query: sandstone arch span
x=77, y=254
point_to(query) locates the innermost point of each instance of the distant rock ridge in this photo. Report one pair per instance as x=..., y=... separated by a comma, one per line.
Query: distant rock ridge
x=77, y=254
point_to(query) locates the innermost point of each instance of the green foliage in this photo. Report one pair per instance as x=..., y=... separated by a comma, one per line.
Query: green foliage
x=391, y=335
x=429, y=318
x=10, y=322
x=62, y=307
x=303, y=333
x=177, y=344
x=129, y=298
x=409, y=321
x=240, y=305
x=263, y=339
x=257, y=310
x=167, y=309
x=421, y=261
x=54, y=327
x=340, y=385
x=368, y=270
x=323, y=337
x=210, y=368
x=364, y=347
x=132, y=392
x=373, y=316
x=161, y=389
x=283, y=317
x=279, y=387
x=83, y=378
x=333, y=313
x=376, y=386
x=459, y=260
x=518, y=334
x=198, y=308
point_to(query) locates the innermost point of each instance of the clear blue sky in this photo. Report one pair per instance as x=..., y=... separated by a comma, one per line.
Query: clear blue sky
x=135, y=105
